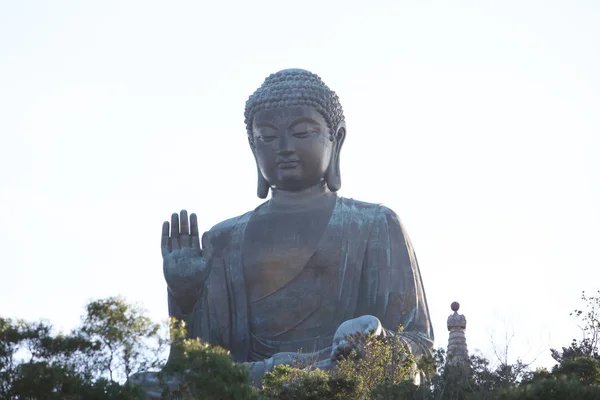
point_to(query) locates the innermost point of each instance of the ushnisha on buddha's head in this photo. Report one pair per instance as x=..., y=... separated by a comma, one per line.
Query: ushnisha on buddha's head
x=296, y=129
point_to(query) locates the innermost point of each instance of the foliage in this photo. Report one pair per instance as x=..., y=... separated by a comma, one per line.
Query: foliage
x=590, y=329
x=405, y=390
x=554, y=388
x=205, y=371
x=288, y=383
x=36, y=363
x=126, y=340
x=116, y=340
x=583, y=369
x=378, y=367
x=458, y=382
x=377, y=361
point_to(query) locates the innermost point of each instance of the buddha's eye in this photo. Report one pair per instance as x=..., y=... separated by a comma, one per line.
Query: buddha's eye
x=304, y=134
x=267, y=138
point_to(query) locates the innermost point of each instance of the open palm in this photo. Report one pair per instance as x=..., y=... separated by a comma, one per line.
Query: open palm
x=183, y=265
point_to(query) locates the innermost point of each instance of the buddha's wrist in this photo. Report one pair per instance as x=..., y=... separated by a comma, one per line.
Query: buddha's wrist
x=186, y=299
x=182, y=289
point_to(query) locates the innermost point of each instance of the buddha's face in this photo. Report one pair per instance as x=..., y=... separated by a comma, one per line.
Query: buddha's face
x=293, y=146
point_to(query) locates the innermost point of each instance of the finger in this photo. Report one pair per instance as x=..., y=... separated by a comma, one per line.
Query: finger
x=174, y=242
x=183, y=217
x=164, y=241
x=194, y=235
x=184, y=237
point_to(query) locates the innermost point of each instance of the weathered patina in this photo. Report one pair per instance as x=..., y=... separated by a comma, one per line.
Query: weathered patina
x=280, y=282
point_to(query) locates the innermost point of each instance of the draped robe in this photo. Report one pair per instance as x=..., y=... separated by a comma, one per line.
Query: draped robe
x=363, y=264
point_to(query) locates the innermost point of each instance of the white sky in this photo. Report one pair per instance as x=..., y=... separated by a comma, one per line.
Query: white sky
x=477, y=122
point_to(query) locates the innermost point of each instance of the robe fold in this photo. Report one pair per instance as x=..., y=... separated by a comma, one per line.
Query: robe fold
x=364, y=264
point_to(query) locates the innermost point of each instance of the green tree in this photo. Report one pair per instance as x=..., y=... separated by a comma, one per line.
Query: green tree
x=462, y=382
x=115, y=340
x=377, y=361
x=554, y=388
x=589, y=323
x=204, y=371
x=36, y=364
x=401, y=391
x=127, y=341
x=583, y=369
x=377, y=366
x=289, y=383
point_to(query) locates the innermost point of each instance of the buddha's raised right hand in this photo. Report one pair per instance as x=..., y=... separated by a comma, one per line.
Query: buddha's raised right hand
x=184, y=267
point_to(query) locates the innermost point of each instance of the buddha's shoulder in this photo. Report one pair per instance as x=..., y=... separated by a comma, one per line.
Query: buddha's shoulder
x=220, y=236
x=225, y=227
x=368, y=210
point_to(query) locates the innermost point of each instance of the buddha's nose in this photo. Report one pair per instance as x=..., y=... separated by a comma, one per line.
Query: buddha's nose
x=285, y=152
x=285, y=147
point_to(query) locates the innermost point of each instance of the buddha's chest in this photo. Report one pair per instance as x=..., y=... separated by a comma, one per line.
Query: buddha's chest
x=278, y=247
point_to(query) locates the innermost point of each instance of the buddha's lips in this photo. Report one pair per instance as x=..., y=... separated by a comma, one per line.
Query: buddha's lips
x=288, y=164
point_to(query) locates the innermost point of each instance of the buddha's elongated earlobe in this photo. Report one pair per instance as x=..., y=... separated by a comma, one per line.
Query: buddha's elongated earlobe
x=262, y=186
x=333, y=176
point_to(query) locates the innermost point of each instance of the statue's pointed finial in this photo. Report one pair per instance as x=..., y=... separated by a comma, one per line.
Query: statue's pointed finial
x=458, y=352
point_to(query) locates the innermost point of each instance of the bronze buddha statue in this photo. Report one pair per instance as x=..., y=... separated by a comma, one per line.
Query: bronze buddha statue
x=290, y=278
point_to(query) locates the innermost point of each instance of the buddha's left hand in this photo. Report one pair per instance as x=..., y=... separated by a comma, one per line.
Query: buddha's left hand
x=364, y=325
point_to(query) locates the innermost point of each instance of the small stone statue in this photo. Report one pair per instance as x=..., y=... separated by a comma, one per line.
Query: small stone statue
x=279, y=283
x=457, y=342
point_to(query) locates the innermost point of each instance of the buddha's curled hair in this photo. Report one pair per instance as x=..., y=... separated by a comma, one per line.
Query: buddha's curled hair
x=294, y=87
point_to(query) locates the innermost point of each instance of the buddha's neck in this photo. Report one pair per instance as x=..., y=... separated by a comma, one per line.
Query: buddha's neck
x=313, y=196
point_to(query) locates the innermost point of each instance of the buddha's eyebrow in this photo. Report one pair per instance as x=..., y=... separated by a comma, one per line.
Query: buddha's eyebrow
x=303, y=119
x=265, y=125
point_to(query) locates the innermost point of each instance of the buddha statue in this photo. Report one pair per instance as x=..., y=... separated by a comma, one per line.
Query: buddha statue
x=290, y=279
